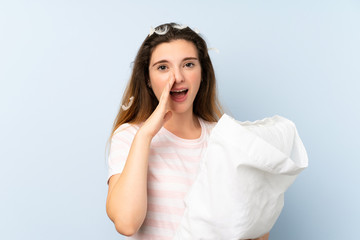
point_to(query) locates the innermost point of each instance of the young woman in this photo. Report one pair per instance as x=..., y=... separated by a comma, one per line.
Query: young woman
x=160, y=133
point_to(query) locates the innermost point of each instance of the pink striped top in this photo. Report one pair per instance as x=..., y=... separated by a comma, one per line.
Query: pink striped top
x=173, y=165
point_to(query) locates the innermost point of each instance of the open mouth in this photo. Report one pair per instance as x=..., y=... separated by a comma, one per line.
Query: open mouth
x=179, y=93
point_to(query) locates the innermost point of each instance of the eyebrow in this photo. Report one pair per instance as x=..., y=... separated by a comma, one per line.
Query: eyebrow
x=165, y=61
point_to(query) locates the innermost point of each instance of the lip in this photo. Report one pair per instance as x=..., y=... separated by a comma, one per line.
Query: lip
x=182, y=99
x=177, y=89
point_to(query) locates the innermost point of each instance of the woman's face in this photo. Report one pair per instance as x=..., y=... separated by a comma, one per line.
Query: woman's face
x=180, y=59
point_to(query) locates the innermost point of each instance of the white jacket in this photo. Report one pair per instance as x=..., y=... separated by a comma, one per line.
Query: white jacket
x=239, y=191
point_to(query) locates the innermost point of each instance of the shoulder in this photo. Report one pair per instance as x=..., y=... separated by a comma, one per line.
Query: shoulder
x=125, y=132
x=208, y=126
x=126, y=127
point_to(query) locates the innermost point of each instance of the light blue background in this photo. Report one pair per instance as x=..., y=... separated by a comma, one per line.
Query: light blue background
x=64, y=66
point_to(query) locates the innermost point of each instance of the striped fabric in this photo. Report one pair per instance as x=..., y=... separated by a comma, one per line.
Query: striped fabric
x=173, y=165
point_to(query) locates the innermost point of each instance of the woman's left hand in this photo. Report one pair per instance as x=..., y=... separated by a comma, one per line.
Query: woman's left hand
x=265, y=237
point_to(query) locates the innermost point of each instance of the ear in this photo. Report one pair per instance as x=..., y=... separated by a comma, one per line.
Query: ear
x=149, y=83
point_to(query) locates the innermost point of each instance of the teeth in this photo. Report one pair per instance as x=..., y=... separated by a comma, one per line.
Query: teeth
x=178, y=91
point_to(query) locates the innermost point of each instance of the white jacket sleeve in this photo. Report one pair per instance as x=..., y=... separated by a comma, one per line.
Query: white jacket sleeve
x=239, y=192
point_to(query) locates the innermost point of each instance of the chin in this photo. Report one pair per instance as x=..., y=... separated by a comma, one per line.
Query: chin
x=179, y=109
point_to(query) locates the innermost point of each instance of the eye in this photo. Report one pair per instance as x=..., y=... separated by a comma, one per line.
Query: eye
x=189, y=64
x=162, y=67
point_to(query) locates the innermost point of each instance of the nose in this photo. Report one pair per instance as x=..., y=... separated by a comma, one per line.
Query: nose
x=179, y=77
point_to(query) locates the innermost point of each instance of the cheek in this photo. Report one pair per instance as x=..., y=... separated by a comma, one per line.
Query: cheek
x=195, y=78
x=158, y=82
x=198, y=76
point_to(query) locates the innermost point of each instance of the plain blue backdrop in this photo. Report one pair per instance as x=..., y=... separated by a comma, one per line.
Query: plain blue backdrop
x=65, y=64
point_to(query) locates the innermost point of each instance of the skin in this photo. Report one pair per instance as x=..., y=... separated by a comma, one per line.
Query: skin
x=130, y=187
x=178, y=60
x=126, y=204
x=172, y=65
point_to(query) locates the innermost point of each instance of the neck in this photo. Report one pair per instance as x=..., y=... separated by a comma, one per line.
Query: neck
x=184, y=125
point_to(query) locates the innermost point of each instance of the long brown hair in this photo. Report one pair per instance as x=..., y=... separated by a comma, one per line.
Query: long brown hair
x=206, y=104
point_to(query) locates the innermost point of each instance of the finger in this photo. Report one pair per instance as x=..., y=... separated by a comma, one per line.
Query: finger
x=171, y=81
x=169, y=85
x=166, y=91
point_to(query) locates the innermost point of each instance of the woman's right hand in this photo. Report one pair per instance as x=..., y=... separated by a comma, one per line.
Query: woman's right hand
x=161, y=113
